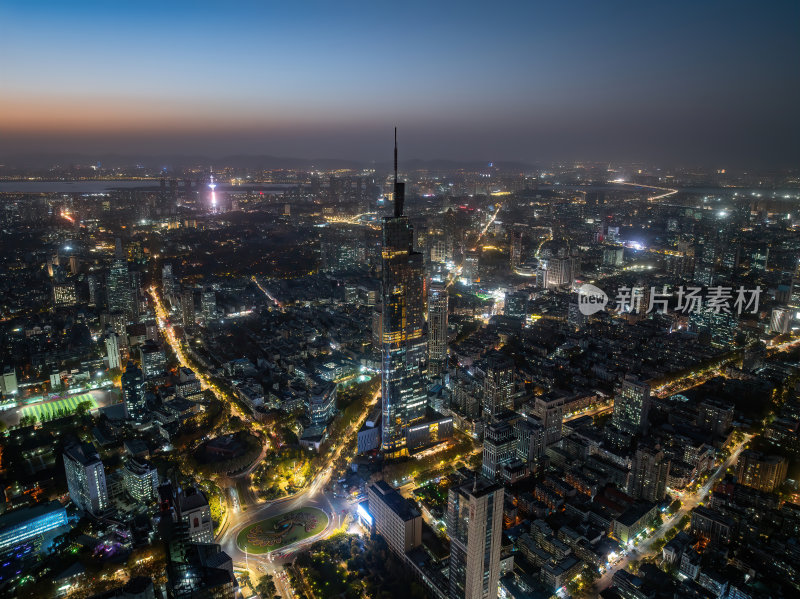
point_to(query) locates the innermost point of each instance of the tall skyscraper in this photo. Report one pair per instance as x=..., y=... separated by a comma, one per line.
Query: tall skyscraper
x=499, y=446
x=403, y=393
x=86, y=478
x=208, y=303
x=187, y=307
x=167, y=280
x=632, y=406
x=91, y=281
x=120, y=295
x=112, y=350
x=650, y=472
x=474, y=525
x=498, y=386
x=549, y=409
x=437, y=330
x=530, y=437
x=133, y=393
x=153, y=359
x=516, y=249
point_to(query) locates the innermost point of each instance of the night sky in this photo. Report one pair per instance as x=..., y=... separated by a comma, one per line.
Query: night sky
x=713, y=83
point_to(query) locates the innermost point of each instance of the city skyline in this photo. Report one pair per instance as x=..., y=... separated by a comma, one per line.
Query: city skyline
x=549, y=348
x=712, y=84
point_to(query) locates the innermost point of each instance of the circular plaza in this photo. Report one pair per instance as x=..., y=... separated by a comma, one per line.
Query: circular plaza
x=281, y=530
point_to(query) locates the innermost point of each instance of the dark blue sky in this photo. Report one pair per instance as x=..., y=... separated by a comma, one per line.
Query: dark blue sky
x=681, y=82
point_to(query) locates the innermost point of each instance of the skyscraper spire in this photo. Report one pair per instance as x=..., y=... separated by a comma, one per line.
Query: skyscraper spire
x=399, y=188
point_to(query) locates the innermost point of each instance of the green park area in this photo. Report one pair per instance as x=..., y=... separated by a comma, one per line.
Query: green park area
x=43, y=412
x=284, y=529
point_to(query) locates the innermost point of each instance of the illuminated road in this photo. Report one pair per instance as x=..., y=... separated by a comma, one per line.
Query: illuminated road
x=169, y=334
x=264, y=290
x=689, y=502
x=667, y=191
x=591, y=412
x=687, y=382
x=354, y=220
x=313, y=496
x=459, y=268
x=783, y=347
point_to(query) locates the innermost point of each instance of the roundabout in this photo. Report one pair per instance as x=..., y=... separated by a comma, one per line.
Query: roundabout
x=281, y=530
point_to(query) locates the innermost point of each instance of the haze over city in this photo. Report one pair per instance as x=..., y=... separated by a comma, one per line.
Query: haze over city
x=712, y=83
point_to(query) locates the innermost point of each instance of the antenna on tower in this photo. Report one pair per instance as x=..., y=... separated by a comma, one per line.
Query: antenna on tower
x=399, y=188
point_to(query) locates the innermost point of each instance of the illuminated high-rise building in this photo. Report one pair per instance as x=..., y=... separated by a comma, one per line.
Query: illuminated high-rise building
x=437, y=330
x=765, y=473
x=112, y=351
x=86, y=478
x=167, y=280
x=120, y=295
x=632, y=406
x=475, y=526
x=187, y=307
x=133, y=393
x=498, y=386
x=403, y=392
x=208, y=303
x=649, y=473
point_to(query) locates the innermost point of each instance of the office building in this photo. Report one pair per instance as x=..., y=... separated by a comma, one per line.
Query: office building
x=120, y=294
x=549, y=410
x=474, y=525
x=8, y=380
x=529, y=435
x=187, y=308
x=321, y=403
x=153, y=359
x=141, y=480
x=403, y=393
x=208, y=304
x=112, y=352
x=91, y=282
x=516, y=304
x=781, y=320
x=632, y=406
x=64, y=295
x=86, y=478
x=612, y=256
x=193, y=509
x=194, y=568
x=28, y=524
x=167, y=281
x=437, y=330
x=499, y=446
x=133, y=393
x=395, y=518
x=498, y=385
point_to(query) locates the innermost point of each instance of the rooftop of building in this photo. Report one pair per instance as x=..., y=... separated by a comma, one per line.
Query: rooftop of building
x=83, y=453
x=17, y=517
x=396, y=502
